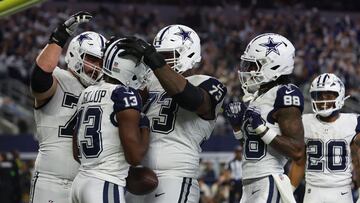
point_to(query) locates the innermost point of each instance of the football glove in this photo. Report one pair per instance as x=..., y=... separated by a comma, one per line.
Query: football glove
x=256, y=121
x=258, y=124
x=141, y=50
x=66, y=29
x=234, y=113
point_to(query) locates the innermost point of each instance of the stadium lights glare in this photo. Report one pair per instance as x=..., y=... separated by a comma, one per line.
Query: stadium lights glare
x=8, y=7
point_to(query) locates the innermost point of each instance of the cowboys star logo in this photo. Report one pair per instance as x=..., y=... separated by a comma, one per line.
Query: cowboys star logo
x=271, y=46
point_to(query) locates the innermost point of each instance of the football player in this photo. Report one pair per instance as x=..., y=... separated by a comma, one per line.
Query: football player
x=56, y=93
x=270, y=123
x=110, y=131
x=332, y=140
x=182, y=110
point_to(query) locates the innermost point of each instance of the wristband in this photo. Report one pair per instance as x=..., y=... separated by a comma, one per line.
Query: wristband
x=269, y=136
x=238, y=135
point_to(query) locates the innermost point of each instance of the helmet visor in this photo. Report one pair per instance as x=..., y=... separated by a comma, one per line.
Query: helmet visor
x=249, y=74
x=171, y=57
x=324, y=100
x=90, y=72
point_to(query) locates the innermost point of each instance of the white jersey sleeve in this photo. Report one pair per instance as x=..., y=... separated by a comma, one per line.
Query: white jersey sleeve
x=328, y=159
x=55, y=122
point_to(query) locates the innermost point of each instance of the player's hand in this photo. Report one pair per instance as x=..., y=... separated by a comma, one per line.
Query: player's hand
x=234, y=113
x=62, y=33
x=256, y=121
x=144, y=121
x=141, y=50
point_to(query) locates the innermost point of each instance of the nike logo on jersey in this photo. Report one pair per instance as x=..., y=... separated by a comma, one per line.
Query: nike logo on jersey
x=289, y=92
x=130, y=93
x=159, y=194
x=343, y=193
x=253, y=192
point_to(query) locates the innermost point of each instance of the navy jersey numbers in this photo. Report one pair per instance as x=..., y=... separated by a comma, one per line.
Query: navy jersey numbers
x=255, y=148
x=335, y=152
x=287, y=96
x=91, y=146
x=67, y=130
x=126, y=98
x=165, y=122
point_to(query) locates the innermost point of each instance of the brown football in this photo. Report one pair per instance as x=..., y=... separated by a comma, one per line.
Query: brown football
x=141, y=180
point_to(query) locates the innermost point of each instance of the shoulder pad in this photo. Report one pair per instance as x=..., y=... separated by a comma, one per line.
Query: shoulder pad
x=126, y=98
x=215, y=89
x=289, y=95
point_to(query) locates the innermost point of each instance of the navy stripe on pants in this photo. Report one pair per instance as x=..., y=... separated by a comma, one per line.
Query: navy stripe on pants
x=105, y=192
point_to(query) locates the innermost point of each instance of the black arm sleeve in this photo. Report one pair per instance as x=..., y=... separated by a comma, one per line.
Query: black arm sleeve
x=190, y=98
x=40, y=81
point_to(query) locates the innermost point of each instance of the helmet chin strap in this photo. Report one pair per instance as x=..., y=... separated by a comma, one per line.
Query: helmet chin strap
x=247, y=95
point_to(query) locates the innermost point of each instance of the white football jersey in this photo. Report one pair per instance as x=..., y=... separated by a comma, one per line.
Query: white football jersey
x=100, y=150
x=176, y=134
x=328, y=155
x=259, y=159
x=55, y=122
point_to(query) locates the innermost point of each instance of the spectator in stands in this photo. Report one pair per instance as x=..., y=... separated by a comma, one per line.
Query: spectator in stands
x=235, y=170
x=221, y=188
x=9, y=181
x=209, y=173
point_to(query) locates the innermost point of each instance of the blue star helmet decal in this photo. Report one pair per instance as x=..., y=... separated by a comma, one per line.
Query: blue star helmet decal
x=271, y=46
x=185, y=35
x=83, y=37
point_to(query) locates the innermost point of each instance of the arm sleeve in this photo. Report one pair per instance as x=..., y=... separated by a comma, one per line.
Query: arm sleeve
x=40, y=80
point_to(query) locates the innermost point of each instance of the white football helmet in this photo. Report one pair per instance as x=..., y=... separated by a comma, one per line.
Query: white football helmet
x=266, y=58
x=327, y=82
x=86, y=43
x=126, y=69
x=180, y=46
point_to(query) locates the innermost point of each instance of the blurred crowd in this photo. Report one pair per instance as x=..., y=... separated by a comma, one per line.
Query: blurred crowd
x=15, y=176
x=323, y=43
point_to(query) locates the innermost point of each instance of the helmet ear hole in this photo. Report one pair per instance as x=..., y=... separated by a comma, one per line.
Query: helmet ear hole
x=134, y=77
x=190, y=55
x=275, y=67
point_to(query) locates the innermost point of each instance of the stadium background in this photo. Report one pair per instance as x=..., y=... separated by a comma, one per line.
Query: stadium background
x=326, y=35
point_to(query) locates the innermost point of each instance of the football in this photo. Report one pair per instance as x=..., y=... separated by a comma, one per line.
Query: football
x=141, y=180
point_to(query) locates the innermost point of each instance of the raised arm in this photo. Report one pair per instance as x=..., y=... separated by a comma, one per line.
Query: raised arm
x=43, y=83
x=188, y=96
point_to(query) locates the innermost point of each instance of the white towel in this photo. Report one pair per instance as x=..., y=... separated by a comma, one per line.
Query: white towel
x=283, y=184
